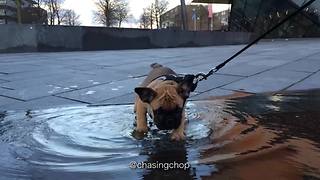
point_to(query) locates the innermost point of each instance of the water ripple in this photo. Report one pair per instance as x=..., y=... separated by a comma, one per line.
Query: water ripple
x=91, y=139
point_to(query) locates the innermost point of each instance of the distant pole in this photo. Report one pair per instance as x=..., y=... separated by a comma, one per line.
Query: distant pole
x=194, y=18
x=183, y=14
x=18, y=3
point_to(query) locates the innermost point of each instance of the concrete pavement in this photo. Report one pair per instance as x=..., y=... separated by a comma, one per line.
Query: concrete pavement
x=42, y=80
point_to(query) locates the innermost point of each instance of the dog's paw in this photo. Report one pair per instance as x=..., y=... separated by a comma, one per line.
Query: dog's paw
x=139, y=133
x=177, y=135
x=141, y=129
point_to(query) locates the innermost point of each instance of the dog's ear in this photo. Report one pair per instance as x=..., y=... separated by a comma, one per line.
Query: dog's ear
x=145, y=94
x=186, y=86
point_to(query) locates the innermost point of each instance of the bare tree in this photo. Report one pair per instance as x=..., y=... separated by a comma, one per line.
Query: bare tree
x=121, y=11
x=70, y=18
x=54, y=11
x=151, y=13
x=49, y=5
x=144, y=19
x=105, y=13
x=58, y=12
x=160, y=6
x=111, y=12
x=42, y=15
x=50, y=9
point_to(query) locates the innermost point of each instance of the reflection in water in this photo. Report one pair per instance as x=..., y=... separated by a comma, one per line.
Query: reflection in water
x=241, y=137
x=165, y=151
x=276, y=137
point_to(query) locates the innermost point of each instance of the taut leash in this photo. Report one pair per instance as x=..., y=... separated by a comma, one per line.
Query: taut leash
x=202, y=76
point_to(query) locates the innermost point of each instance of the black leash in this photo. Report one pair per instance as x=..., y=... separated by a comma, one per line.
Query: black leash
x=202, y=76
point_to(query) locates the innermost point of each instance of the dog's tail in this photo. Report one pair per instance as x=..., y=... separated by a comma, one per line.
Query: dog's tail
x=155, y=65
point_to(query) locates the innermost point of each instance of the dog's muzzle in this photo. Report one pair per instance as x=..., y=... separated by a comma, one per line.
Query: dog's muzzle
x=167, y=119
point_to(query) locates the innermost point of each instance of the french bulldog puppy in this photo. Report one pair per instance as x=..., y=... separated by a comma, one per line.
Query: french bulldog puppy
x=163, y=96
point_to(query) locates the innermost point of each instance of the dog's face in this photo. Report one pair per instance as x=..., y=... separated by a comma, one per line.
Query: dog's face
x=166, y=100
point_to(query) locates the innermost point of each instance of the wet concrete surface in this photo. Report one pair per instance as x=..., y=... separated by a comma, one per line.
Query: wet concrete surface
x=31, y=79
x=239, y=136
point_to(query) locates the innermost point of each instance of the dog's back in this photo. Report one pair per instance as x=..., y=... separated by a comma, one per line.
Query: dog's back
x=157, y=71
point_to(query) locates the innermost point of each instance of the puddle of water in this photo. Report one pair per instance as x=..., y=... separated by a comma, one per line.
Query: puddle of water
x=89, y=142
x=238, y=138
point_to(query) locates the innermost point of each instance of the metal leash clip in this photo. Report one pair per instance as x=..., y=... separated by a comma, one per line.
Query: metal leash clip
x=202, y=76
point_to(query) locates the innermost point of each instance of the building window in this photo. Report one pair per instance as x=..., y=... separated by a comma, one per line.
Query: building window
x=2, y=12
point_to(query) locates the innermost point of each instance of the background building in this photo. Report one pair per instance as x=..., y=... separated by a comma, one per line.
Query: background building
x=221, y=21
x=30, y=13
x=259, y=15
x=197, y=18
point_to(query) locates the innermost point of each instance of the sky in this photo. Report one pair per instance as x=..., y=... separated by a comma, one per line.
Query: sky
x=85, y=9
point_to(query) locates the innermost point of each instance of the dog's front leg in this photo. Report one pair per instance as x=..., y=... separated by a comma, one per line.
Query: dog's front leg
x=141, y=112
x=178, y=134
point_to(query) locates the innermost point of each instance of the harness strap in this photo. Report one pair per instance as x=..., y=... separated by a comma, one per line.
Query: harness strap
x=182, y=79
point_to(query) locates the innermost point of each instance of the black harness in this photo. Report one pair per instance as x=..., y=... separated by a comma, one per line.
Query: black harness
x=180, y=79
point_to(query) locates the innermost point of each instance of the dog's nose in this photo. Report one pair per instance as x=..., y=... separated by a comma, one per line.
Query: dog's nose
x=170, y=122
x=167, y=123
x=173, y=123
